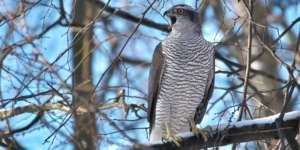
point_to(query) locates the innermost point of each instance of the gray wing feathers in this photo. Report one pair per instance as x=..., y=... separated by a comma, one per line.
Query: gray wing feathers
x=200, y=111
x=156, y=69
x=211, y=83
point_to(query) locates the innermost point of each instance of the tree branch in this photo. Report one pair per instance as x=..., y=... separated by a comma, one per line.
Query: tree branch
x=130, y=17
x=8, y=113
x=248, y=67
x=243, y=131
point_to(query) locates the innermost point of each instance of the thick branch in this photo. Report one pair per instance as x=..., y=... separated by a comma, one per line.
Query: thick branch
x=253, y=130
x=130, y=17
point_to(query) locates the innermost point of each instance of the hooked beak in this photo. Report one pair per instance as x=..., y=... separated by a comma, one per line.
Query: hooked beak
x=173, y=18
x=166, y=13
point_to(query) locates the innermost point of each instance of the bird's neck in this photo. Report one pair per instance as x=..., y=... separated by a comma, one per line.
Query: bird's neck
x=186, y=32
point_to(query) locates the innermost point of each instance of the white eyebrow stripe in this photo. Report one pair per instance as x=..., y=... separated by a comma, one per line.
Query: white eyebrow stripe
x=183, y=6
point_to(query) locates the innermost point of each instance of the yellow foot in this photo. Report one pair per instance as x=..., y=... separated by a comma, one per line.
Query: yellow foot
x=197, y=131
x=172, y=137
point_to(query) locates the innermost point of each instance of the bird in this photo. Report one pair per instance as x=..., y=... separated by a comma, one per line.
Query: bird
x=181, y=78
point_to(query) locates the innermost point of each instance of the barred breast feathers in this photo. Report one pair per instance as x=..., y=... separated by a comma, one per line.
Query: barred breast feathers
x=184, y=80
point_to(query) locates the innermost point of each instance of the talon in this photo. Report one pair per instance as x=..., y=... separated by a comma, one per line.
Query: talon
x=206, y=128
x=198, y=134
x=179, y=138
x=197, y=131
x=163, y=139
x=172, y=137
x=176, y=142
x=203, y=135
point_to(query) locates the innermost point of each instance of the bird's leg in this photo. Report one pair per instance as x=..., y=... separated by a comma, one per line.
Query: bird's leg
x=197, y=131
x=172, y=137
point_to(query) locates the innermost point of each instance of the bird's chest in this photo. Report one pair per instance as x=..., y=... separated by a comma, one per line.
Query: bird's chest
x=178, y=50
x=185, y=71
x=183, y=60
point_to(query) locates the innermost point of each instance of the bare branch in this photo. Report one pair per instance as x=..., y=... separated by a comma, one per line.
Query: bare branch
x=8, y=113
x=119, y=55
x=127, y=16
x=248, y=67
x=234, y=135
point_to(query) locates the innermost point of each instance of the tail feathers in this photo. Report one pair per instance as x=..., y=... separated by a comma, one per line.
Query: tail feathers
x=155, y=135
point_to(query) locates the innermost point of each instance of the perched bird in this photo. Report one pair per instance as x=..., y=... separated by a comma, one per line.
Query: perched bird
x=181, y=78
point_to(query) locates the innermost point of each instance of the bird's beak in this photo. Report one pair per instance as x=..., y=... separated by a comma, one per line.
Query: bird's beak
x=172, y=17
x=166, y=13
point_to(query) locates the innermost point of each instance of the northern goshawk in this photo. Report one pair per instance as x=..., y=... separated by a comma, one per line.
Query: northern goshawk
x=181, y=79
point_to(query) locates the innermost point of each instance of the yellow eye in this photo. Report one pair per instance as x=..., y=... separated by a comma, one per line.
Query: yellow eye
x=180, y=11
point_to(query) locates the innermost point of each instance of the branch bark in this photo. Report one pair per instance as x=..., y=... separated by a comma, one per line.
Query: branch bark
x=234, y=135
x=248, y=66
x=130, y=17
x=8, y=113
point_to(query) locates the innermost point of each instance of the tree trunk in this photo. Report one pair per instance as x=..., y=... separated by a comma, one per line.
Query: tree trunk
x=86, y=127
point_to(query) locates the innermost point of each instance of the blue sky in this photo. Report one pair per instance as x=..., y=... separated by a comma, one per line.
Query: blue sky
x=141, y=48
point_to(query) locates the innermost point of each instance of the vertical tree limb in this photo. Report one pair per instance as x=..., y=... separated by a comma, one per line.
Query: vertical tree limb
x=248, y=66
x=293, y=65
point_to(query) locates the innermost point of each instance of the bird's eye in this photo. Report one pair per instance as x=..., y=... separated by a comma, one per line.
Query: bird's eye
x=180, y=11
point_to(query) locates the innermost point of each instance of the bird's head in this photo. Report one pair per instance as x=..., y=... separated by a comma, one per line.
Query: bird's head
x=183, y=16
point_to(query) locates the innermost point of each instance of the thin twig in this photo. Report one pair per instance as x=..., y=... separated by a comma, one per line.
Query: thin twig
x=119, y=55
